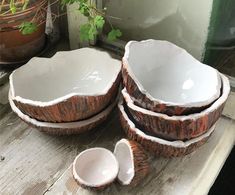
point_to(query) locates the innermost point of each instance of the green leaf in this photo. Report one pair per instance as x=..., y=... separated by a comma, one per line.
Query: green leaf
x=27, y=28
x=92, y=32
x=84, y=32
x=84, y=9
x=99, y=22
x=114, y=34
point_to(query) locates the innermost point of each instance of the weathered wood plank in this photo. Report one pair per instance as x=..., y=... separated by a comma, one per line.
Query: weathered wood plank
x=229, y=109
x=34, y=161
x=187, y=175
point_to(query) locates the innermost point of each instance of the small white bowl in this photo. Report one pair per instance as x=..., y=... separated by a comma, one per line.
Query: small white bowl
x=95, y=168
x=70, y=86
x=163, y=77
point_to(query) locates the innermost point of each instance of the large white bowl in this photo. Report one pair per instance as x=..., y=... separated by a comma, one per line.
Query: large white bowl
x=163, y=77
x=68, y=87
x=183, y=127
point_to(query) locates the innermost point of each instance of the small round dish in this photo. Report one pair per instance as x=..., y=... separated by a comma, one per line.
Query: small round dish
x=95, y=168
x=163, y=77
x=70, y=86
x=158, y=146
x=133, y=162
x=67, y=128
x=179, y=127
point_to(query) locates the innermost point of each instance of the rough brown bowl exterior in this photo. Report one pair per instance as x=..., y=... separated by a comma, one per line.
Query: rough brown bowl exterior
x=68, y=131
x=155, y=147
x=97, y=188
x=177, y=130
x=141, y=164
x=73, y=109
x=143, y=101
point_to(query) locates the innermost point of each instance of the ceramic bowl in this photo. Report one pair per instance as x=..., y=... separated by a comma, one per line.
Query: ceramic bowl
x=70, y=86
x=164, y=78
x=178, y=127
x=67, y=128
x=158, y=146
x=133, y=162
x=95, y=168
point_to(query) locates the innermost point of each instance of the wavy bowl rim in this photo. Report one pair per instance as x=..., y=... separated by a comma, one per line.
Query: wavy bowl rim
x=67, y=96
x=159, y=101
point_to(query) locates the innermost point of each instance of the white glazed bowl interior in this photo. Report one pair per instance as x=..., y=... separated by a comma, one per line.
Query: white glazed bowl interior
x=169, y=74
x=95, y=167
x=124, y=155
x=84, y=71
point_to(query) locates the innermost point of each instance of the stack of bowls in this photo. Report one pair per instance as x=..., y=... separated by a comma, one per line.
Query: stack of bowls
x=71, y=92
x=171, y=101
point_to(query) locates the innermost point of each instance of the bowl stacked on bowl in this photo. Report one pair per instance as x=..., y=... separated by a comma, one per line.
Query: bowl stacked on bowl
x=71, y=92
x=171, y=101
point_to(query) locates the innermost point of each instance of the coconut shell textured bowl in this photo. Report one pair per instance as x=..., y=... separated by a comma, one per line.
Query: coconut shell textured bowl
x=67, y=128
x=178, y=127
x=133, y=162
x=70, y=86
x=159, y=146
x=95, y=168
x=163, y=77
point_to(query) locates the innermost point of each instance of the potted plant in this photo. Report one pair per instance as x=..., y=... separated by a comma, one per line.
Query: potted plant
x=22, y=29
x=96, y=20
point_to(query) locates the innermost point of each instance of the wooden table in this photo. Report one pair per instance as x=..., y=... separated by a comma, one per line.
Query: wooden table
x=32, y=162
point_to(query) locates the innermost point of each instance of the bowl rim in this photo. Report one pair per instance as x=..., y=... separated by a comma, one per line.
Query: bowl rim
x=194, y=116
x=125, y=63
x=67, y=96
x=64, y=125
x=175, y=144
x=127, y=143
x=81, y=181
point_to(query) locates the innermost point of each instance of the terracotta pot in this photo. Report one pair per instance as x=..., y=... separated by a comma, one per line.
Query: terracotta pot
x=16, y=47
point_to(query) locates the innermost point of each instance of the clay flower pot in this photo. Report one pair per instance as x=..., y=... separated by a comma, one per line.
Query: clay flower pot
x=179, y=127
x=159, y=146
x=16, y=47
x=95, y=168
x=70, y=86
x=161, y=77
x=67, y=128
x=133, y=162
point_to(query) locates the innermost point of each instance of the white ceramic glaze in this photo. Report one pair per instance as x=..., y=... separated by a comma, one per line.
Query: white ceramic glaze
x=45, y=82
x=214, y=106
x=65, y=125
x=176, y=144
x=167, y=74
x=95, y=167
x=124, y=155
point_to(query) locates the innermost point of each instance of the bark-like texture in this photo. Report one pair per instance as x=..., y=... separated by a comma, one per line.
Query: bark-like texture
x=157, y=148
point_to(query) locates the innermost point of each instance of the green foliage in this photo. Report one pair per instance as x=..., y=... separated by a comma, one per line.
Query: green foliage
x=114, y=34
x=12, y=7
x=27, y=28
x=99, y=22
